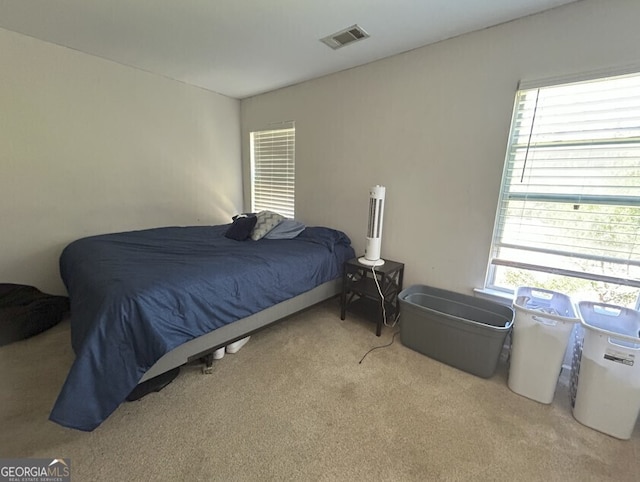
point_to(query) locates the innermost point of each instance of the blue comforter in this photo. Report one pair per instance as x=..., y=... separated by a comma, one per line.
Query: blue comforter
x=137, y=295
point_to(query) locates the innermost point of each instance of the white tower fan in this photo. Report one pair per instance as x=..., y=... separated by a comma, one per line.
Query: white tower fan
x=374, y=231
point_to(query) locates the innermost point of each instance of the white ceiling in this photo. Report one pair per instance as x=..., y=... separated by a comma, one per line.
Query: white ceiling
x=241, y=48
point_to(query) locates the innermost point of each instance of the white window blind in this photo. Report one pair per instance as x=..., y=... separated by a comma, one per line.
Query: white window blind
x=570, y=197
x=273, y=170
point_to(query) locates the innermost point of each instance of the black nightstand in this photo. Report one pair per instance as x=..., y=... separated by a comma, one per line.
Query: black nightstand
x=360, y=292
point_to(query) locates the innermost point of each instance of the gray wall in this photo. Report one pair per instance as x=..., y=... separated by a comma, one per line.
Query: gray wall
x=89, y=146
x=432, y=125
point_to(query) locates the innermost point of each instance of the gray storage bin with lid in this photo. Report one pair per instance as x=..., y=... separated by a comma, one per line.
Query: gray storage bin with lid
x=463, y=331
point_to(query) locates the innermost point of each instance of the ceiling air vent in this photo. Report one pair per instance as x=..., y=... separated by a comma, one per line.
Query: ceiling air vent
x=345, y=37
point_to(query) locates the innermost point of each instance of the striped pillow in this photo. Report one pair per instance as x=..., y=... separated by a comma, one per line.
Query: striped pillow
x=267, y=220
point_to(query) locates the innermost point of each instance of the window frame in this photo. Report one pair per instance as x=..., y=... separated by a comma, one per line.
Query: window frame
x=277, y=160
x=505, y=195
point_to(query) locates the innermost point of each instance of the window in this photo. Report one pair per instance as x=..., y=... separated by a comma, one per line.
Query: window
x=273, y=170
x=568, y=217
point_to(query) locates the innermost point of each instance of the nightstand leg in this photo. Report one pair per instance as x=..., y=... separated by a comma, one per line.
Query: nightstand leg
x=343, y=296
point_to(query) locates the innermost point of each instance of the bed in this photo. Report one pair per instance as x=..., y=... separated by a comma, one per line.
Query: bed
x=145, y=302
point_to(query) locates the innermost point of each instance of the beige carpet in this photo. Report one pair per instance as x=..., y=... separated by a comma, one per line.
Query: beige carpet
x=294, y=404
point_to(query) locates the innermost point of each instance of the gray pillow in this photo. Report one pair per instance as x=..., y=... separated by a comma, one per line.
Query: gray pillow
x=287, y=229
x=267, y=220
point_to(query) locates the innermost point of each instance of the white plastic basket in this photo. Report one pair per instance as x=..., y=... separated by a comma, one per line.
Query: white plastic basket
x=542, y=325
x=607, y=396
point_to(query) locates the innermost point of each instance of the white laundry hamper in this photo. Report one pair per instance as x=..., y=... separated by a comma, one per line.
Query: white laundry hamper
x=542, y=326
x=606, y=374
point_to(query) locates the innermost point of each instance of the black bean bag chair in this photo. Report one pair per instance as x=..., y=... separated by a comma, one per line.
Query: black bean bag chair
x=26, y=311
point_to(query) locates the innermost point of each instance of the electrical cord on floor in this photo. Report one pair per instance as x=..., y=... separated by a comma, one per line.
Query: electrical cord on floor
x=381, y=346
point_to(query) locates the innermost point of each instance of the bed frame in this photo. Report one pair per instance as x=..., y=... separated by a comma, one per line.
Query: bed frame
x=167, y=367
